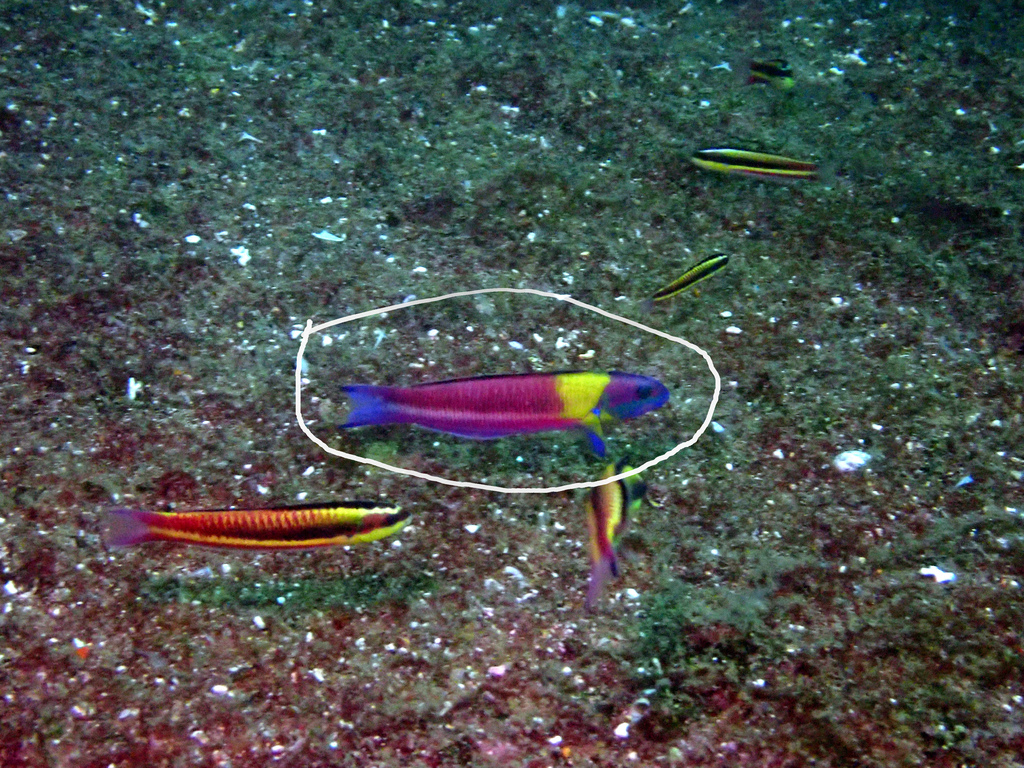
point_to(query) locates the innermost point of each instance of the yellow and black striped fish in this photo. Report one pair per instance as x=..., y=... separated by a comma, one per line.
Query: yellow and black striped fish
x=700, y=271
x=775, y=72
x=291, y=527
x=749, y=163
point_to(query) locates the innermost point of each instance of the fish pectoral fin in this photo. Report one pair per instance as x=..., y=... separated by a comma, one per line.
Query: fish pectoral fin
x=596, y=443
x=592, y=426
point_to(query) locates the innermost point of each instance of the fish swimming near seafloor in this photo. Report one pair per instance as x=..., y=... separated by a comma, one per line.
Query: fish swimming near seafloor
x=291, y=527
x=775, y=72
x=760, y=164
x=608, y=508
x=702, y=270
x=488, y=407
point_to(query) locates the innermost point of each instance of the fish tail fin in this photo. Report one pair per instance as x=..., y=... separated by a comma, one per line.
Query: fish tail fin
x=369, y=404
x=603, y=569
x=127, y=527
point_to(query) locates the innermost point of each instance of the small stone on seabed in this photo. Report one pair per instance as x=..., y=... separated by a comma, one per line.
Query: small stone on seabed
x=515, y=573
x=497, y=670
x=940, y=576
x=851, y=461
x=259, y=622
x=219, y=690
x=622, y=731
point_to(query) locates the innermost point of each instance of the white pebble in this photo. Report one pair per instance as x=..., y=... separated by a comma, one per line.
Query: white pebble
x=134, y=387
x=471, y=527
x=622, y=731
x=940, y=576
x=242, y=254
x=259, y=622
x=851, y=461
x=733, y=330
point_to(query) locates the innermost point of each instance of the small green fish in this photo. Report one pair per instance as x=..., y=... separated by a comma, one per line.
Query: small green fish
x=774, y=72
x=699, y=271
x=749, y=163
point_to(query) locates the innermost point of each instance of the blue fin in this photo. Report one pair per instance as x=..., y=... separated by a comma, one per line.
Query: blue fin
x=369, y=405
x=596, y=443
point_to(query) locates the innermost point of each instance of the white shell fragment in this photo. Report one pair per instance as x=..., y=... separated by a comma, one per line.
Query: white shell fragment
x=134, y=388
x=940, y=576
x=323, y=234
x=851, y=461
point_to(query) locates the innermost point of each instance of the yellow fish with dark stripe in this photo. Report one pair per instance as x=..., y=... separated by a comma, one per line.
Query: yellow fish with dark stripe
x=775, y=72
x=702, y=270
x=608, y=508
x=759, y=164
x=292, y=527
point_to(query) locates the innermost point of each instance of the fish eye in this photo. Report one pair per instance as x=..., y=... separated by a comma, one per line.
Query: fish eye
x=644, y=391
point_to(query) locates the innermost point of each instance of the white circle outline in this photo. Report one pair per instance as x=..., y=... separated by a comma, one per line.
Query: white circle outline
x=311, y=329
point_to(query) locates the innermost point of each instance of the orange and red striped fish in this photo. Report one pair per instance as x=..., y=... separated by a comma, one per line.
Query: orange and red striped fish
x=608, y=509
x=292, y=527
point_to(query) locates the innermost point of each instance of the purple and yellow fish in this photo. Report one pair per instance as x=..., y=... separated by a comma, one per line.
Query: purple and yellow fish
x=488, y=407
x=292, y=527
x=608, y=509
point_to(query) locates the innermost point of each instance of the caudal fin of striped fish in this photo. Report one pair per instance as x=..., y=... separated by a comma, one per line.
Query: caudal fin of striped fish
x=602, y=570
x=368, y=404
x=127, y=527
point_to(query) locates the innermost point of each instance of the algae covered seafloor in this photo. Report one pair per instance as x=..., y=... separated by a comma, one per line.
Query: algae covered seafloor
x=186, y=184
